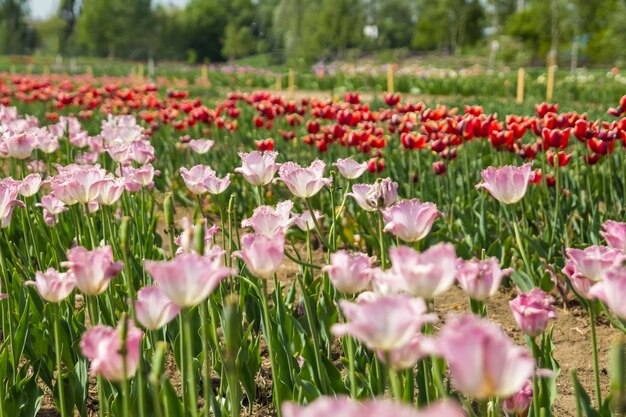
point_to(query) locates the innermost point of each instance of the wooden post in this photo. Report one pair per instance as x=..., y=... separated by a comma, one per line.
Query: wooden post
x=46, y=70
x=140, y=73
x=89, y=70
x=520, y=86
x=279, y=82
x=292, y=83
x=550, y=83
x=204, y=73
x=29, y=69
x=12, y=69
x=389, y=78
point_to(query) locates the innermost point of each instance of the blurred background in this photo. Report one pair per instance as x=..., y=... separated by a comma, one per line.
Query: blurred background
x=321, y=35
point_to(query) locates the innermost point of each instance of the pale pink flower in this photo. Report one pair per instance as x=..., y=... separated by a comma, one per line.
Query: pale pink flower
x=350, y=273
x=612, y=292
x=189, y=278
x=263, y=255
x=378, y=195
x=405, y=357
x=587, y=266
x=201, y=146
x=615, y=234
x=304, y=182
x=19, y=145
x=270, y=221
x=142, y=151
x=258, y=168
x=52, y=285
x=119, y=152
x=47, y=142
x=484, y=362
x=533, y=311
x=350, y=168
x=305, y=221
x=186, y=241
x=111, y=190
x=202, y=178
x=79, y=139
x=118, y=129
x=102, y=345
x=52, y=207
x=426, y=274
x=340, y=406
x=77, y=183
x=518, y=404
x=507, y=184
x=154, y=309
x=9, y=189
x=410, y=220
x=30, y=185
x=480, y=279
x=383, y=322
x=92, y=269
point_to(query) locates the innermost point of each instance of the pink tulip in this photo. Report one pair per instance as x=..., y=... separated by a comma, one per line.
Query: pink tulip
x=484, y=362
x=410, y=220
x=615, y=234
x=77, y=183
x=123, y=128
x=52, y=285
x=426, y=274
x=142, y=152
x=270, y=221
x=304, y=182
x=30, y=185
x=258, y=168
x=350, y=168
x=378, y=195
x=480, y=279
x=201, y=179
x=350, y=273
x=119, y=152
x=47, y=142
x=52, y=207
x=110, y=191
x=518, y=404
x=9, y=189
x=533, y=311
x=154, y=309
x=201, y=146
x=507, y=184
x=189, y=278
x=612, y=292
x=19, y=145
x=102, y=346
x=185, y=240
x=263, y=255
x=342, y=406
x=383, y=322
x=92, y=269
x=143, y=175
x=305, y=221
x=588, y=266
x=405, y=357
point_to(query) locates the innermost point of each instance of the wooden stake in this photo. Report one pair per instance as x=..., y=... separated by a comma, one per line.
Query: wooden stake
x=279, y=82
x=520, y=86
x=46, y=70
x=389, y=78
x=204, y=73
x=89, y=70
x=140, y=73
x=550, y=83
x=292, y=83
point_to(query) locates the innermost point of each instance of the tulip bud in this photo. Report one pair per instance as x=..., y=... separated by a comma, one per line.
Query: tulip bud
x=198, y=236
x=168, y=209
x=158, y=360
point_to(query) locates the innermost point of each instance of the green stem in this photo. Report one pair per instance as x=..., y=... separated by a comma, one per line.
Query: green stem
x=189, y=377
x=396, y=389
x=94, y=318
x=316, y=223
x=594, y=346
x=270, y=348
x=206, y=363
x=351, y=370
x=522, y=251
x=381, y=239
x=314, y=335
x=57, y=352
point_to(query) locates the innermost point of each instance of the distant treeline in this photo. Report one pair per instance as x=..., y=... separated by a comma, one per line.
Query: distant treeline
x=304, y=32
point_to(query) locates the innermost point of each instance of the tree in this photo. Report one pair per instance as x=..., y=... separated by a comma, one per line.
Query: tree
x=68, y=12
x=15, y=36
x=395, y=20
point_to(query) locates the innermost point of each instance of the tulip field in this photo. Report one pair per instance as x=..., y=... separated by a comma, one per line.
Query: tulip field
x=164, y=254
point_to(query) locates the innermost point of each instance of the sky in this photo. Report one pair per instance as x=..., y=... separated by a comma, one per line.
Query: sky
x=41, y=9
